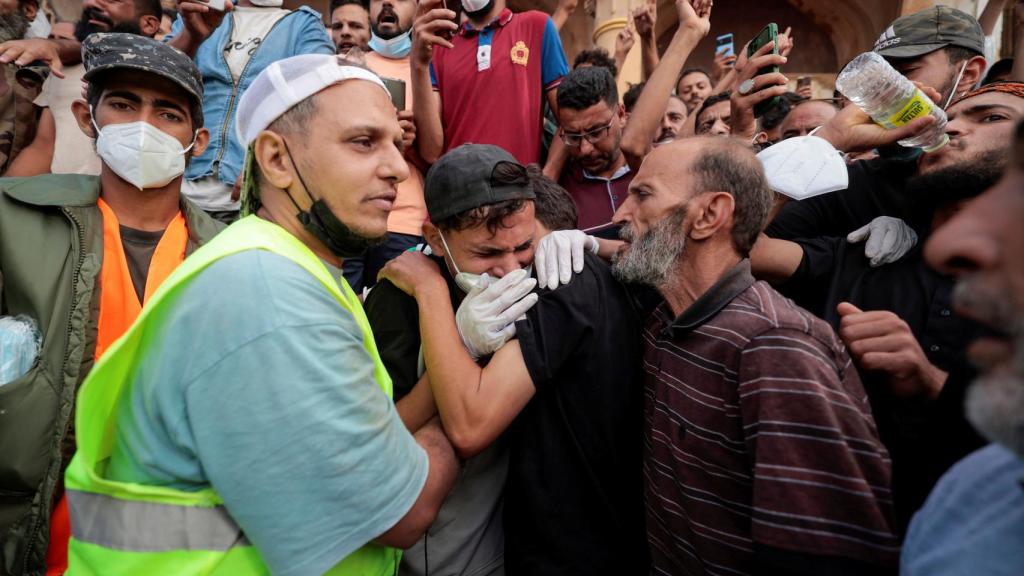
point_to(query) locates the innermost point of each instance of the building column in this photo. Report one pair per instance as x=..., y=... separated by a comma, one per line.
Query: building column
x=611, y=16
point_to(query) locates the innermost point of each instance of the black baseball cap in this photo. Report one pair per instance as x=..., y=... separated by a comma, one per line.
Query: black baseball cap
x=461, y=180
x=929, y=30
x=120, y=51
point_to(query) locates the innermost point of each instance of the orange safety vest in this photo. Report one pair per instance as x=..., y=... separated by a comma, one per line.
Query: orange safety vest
x=119, y=307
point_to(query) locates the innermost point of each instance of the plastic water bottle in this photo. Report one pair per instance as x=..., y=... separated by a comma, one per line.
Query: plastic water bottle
x=891, y=100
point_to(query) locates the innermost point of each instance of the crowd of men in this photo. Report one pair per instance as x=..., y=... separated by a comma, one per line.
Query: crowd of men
x=404, y=294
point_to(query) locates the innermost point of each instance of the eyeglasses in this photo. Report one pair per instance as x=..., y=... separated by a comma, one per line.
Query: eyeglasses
x=592, y=136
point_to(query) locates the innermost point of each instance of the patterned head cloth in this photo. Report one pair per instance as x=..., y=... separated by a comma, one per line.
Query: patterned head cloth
x=1012, y=88
x=928, y=30
x=119, y=51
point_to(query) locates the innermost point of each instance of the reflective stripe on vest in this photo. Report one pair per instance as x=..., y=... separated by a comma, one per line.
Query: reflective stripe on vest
x=149, y=526
x=128, y=528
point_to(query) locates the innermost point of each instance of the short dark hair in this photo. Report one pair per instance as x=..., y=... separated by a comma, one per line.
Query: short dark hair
x=335, y=4
x=958, y=54
x=586, y=86
x=728, y=165
x=1001, y=67
x=691, y=70
x=148, y=8
x=492, y=215
x=709, y=102
x=596, y=57
x=632, y=95
x=94, y=90
x=554, y=207
x=776, y=114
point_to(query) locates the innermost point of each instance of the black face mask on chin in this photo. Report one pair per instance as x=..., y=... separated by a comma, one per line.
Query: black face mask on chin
x=325, y=226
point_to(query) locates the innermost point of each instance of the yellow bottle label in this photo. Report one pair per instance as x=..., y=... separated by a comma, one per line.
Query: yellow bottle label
x=917, y=107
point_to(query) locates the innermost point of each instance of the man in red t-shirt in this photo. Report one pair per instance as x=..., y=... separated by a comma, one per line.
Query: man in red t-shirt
x=488, y=84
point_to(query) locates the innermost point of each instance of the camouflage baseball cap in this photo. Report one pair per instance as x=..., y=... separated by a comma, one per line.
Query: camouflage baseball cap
x=118, y=51
x=926, y=31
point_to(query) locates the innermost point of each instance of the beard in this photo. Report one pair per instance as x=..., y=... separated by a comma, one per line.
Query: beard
x=650, y=258
x=995, y=401
x=960, y=181
x=481, y=12
x=84, y=28
x=375, y=26
x=13, y=26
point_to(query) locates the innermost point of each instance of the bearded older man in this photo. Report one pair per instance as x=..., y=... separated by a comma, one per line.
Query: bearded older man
x=973, y=521
x=760, y=449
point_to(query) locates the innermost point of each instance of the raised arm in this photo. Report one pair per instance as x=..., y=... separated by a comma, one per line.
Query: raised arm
x=644, y=19
x=637, y=138
x=432, y=20
x=196, y=22
x=990, y=16
x=476, y=404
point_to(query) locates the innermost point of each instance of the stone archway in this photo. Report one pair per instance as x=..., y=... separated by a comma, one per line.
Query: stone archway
x=827, y=33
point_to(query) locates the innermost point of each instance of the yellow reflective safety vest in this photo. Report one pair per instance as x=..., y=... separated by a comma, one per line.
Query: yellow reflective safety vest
x=121, y=528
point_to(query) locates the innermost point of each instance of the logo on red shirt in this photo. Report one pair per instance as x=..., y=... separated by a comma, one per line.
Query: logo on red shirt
x=520, y=53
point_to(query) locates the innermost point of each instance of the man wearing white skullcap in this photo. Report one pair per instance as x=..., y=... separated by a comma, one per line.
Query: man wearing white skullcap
x=244, y=423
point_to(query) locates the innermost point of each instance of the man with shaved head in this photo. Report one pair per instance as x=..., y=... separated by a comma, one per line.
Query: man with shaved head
x=805, y=116
x=760, y=448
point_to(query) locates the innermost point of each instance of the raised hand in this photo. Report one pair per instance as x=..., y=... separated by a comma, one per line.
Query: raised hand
x=431, y=23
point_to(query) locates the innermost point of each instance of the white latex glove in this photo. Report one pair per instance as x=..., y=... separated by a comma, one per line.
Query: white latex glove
x=888, y=239
x=559, y=255
x=486, y=318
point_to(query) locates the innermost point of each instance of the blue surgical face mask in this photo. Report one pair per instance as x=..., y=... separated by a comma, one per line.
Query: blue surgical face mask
x=394, y=48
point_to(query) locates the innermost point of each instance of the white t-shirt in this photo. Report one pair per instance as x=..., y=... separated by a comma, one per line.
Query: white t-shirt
x=251, y=26
x=210, y=194
x=73, y=151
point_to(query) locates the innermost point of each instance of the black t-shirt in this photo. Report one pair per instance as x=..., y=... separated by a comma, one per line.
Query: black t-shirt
x=395, y=321
x=924, y=438
x=139, y=246
x=574, y=496
x=876, y=188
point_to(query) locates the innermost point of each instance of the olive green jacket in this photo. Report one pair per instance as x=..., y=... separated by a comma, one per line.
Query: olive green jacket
x=51, y=252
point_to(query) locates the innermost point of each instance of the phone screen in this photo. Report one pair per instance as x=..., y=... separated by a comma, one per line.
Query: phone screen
x=724, y=45
x=397, y=90
x=770, y=33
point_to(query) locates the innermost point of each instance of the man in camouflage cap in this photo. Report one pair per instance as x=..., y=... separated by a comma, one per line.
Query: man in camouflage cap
x=941, y=47
x=81, y=255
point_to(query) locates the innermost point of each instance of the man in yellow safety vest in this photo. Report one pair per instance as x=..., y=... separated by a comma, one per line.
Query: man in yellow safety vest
x=243, y=424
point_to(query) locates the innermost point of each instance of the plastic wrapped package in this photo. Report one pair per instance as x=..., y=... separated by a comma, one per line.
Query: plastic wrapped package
x=19, y=345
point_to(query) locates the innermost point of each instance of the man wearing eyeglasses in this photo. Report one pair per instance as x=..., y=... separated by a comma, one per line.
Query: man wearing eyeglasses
x=591, y=121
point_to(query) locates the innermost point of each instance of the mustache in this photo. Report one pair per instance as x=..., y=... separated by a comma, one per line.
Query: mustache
x=93, y=14
x=386, y=11
x=995, y=312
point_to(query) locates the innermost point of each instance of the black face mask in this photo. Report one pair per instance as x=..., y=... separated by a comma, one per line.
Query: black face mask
x=325, y=226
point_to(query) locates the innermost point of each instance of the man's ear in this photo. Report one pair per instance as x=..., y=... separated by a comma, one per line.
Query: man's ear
x=149, y=25
x=761, y=138
x=716, y=211
x=433, y=238
x=273, y=160
x=84, y=117
x=973, y=74
x=31, y=9
x=202, y=141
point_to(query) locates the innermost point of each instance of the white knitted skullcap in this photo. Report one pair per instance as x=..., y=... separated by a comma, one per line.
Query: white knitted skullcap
x=287, y=82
